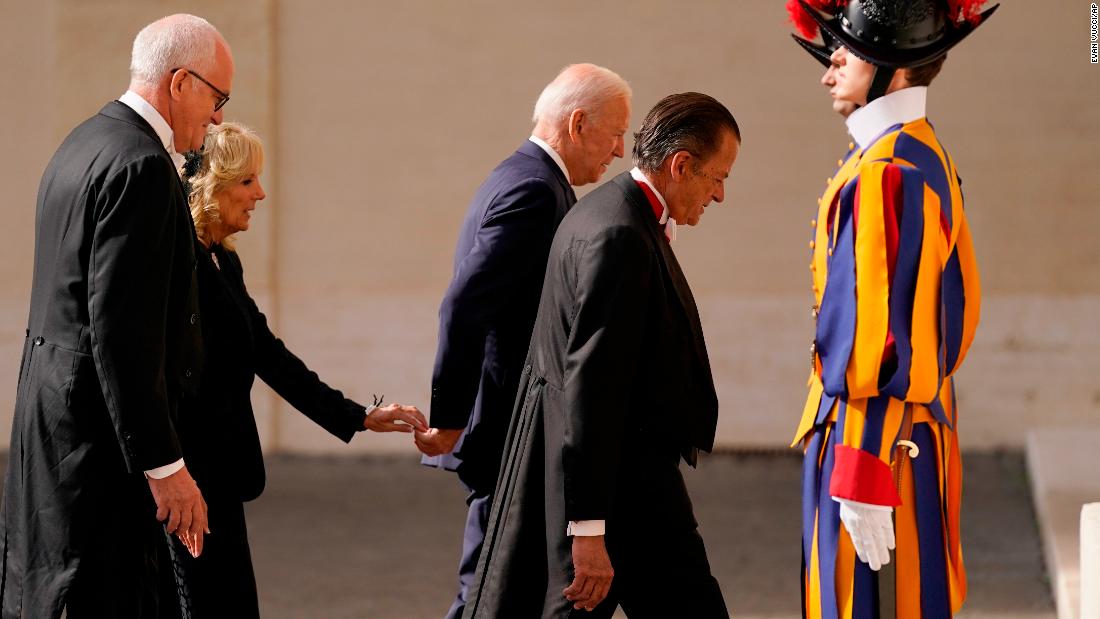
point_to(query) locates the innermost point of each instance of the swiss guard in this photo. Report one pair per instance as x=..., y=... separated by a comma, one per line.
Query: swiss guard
x=896, y=300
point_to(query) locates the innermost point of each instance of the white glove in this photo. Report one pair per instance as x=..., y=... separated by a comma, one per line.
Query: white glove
x=871, y=529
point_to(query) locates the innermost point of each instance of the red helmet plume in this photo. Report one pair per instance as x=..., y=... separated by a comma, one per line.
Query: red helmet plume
x=959, y=11
x=806, y=24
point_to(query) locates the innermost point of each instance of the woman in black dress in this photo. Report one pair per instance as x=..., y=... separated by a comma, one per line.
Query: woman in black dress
x=218, y=431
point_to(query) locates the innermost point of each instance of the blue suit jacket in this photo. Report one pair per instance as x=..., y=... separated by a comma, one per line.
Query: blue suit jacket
x=487, y=314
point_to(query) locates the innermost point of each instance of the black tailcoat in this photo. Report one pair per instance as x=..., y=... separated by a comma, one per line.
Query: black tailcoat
x=113, y=343
x=616, y=389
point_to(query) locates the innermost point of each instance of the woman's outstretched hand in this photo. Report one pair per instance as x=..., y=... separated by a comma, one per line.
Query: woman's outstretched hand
x=396, y=418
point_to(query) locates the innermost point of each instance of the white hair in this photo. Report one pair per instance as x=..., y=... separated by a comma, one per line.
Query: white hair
x=579, y=86
x=172, y=42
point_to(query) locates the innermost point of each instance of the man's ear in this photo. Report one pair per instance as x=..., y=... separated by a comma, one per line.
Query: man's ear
x=899, y=81
x=577, y=123
x=681, y=162
x=175, y=86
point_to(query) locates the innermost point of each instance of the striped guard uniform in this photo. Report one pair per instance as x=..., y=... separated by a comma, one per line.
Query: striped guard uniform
x=897, y=296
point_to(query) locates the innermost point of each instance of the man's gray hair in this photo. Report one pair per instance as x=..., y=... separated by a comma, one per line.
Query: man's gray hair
x=172, y=42
x=579, y=86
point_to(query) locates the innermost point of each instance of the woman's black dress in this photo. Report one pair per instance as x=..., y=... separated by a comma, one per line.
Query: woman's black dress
x=218, y=431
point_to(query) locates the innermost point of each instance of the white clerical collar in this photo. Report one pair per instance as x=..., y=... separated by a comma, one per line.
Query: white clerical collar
x=899, y=107
x=666, y=220
x=553, y=155
x=144, y=109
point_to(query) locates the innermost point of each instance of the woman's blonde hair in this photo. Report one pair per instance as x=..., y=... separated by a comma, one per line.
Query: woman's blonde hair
x=232, y=151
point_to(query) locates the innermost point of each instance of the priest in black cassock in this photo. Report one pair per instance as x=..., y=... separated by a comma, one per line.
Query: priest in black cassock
x=591, y=511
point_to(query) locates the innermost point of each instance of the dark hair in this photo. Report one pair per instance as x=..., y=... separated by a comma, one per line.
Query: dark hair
x=925, y=73
x=688, y=121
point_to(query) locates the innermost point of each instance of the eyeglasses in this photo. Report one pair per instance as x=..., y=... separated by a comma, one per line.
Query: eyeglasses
x=223, y=97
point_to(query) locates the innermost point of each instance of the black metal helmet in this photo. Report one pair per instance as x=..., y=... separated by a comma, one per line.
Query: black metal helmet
x=890, y=34
x=822, y=53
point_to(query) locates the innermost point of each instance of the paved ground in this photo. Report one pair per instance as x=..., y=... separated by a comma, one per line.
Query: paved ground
x=378, y=538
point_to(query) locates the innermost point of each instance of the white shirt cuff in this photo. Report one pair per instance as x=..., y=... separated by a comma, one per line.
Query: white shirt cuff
x=870, y=506
x=585, y=528
x=164, y=471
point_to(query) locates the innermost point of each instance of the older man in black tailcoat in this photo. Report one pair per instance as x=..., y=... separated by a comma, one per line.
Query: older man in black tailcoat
x=112, y=345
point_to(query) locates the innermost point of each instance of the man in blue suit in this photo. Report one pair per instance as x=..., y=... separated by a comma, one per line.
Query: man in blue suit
x=487, y=314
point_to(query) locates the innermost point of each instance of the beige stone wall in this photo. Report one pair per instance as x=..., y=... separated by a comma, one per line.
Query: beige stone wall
x=382, y=118
x=27, y=106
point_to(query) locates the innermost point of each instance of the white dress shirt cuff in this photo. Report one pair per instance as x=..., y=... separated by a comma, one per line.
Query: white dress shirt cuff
x=164, y=471
x=585, y=528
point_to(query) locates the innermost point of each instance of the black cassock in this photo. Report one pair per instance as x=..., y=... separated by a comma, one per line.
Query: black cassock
x=112, y=346
x=616, y=390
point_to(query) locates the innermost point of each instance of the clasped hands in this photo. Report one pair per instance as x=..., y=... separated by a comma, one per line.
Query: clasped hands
x=430, y=441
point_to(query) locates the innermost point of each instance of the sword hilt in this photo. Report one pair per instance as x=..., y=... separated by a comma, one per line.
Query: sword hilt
x=914, y=451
